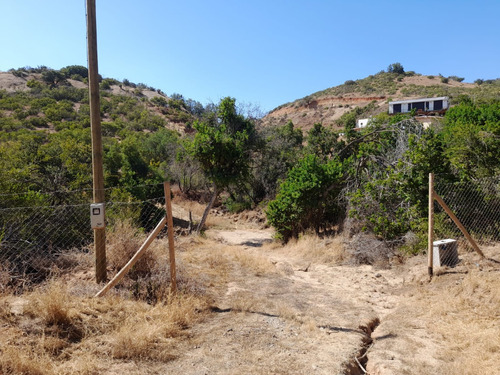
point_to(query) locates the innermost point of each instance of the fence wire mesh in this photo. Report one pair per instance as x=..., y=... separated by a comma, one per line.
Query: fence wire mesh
x=38, y=240
x=476, y=204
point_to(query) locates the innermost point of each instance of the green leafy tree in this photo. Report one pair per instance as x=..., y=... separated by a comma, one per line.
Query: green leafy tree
x=222, y=146
x=52, y=77
x=323, y=142
x=392, y=198
x=396, y=68
x=472, y=135
x=75, y=71
x=278, y=149
x=307, y=198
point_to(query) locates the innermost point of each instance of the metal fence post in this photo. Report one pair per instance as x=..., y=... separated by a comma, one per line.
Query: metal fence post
x=430, y=238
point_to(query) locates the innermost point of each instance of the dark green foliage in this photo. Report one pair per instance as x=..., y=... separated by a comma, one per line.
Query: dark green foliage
x=52, y=77
x=395, y=201
x=222, y=144
x=472, y=133
x=395, y=68
x=184, y=169
x=279, y=148
x=307, y=198
x=323, y=142
x=195, y=108
x=77, y=72
x=159, y=101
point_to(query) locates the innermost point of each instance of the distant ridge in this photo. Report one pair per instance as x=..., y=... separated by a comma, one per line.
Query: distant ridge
x=328, y=106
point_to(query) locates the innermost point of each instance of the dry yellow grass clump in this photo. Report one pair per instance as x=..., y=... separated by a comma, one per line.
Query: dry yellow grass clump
x=311, y=248
x=60, y=328
x=57, y=332
x=468, y=318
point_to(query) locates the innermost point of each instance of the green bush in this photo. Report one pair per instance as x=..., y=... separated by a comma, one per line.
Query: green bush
x=77, y=72
x=307, y=198
x=395, y=68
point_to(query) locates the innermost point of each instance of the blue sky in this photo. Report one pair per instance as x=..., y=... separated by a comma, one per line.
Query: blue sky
x=263, y=52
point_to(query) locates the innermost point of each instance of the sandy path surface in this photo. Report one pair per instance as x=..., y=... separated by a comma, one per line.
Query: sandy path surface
x=302, y=318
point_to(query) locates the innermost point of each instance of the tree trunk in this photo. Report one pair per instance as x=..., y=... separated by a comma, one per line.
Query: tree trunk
x=207, y=210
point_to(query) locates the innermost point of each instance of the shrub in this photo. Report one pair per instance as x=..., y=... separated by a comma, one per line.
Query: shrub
x=306, y=199
x=159, y=101
x=396, y=68
x=77, y=72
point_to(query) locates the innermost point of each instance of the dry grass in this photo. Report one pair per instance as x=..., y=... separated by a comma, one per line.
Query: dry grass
x=314, y=249
x=450, y=325
x=15, y=362
x=52, y=305
x=61, y=329
x=59, y=332
x=258, y=264
x=468, y=318
x=197, y=209
x=150, y=333
x=4, y=278
x=122, y=243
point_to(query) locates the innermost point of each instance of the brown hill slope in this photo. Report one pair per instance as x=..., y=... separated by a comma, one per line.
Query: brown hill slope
x=329, y=105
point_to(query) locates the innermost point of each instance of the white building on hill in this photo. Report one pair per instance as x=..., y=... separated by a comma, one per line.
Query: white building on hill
x=422, y=106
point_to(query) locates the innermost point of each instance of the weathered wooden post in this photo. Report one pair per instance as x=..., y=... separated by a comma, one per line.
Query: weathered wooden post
x=95, y=125
x=170, y=232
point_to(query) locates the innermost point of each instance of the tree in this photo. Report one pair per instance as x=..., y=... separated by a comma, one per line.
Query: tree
x=392, y=198
x=307, y=198
x=396, y=68
x=472, y=135
x=52, y=77
x=222, y=146
x=322, y=141
x=75, y=70
x=279, y=148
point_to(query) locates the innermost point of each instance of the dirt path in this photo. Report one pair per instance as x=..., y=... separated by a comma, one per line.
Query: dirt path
x=301, y=318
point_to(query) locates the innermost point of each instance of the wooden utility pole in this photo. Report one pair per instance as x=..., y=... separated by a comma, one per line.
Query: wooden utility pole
x=95, y=125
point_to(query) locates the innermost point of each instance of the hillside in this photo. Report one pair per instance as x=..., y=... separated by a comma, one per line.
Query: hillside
x=328, y=106
x=59, y=98
x=346, y=289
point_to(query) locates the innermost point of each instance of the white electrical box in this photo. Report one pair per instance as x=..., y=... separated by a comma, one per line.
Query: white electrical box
x=97, y=216
x=445, y=253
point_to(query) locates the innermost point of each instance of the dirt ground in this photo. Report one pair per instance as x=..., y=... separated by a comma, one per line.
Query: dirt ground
x=309, y=317
x=304, y=309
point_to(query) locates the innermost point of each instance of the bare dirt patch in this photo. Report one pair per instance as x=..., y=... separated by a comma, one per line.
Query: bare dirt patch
x=436, y=80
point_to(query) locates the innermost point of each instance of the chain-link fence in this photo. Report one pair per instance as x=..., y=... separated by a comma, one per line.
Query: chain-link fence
x=476, y=205
x=39, y=240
